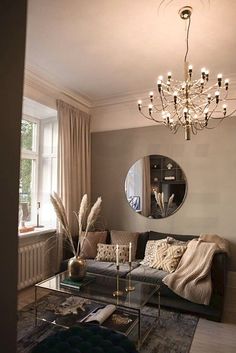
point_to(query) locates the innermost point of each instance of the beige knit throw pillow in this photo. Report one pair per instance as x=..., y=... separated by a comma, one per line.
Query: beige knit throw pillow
x=167, y=257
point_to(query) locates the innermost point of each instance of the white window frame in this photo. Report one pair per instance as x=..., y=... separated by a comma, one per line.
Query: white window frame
x=33, y=155
x=50, y=155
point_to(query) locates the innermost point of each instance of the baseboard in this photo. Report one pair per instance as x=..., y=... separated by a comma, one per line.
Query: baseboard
x=231, y=279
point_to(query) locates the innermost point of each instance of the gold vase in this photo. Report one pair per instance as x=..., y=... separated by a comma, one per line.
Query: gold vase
x=77, y=268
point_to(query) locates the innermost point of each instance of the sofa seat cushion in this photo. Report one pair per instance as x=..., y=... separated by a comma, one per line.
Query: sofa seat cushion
x=152, y=275
x=148, y=274
x=109, y=268
x=100, y=267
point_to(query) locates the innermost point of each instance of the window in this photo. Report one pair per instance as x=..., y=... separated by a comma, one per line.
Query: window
x=28, y=170
x=38, y=169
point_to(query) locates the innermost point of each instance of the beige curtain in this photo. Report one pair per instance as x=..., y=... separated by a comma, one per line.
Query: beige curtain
x=74, y=158
x=146, y=187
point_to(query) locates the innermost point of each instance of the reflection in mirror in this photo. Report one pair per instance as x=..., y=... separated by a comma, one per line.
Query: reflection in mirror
x=155, y=186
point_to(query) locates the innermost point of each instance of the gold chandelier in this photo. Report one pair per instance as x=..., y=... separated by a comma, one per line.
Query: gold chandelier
x=192, y=104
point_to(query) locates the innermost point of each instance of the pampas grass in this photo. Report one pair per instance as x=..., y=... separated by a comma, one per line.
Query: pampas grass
x=83, y=221
x=61, y=215
x=159, y=197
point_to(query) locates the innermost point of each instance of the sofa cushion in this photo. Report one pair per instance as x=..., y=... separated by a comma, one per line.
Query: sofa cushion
x=124, y=238
x=148, y=274
x=107, y=252
x=167, y=257
x=123, y=269
x=157, y=235
x=150, y=250
x=100, y=267
x=152, y=275
x=89, y=250
x=109, y=268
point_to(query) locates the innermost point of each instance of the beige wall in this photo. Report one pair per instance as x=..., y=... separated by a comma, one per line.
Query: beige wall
x=208, y=160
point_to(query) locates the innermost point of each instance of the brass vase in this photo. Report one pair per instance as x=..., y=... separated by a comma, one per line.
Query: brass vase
x=77, y=268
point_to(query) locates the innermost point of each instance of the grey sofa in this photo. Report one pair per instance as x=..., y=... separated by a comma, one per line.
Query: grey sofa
x=169, y=299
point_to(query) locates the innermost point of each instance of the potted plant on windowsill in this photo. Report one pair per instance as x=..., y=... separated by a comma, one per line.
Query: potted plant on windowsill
x=77, y=265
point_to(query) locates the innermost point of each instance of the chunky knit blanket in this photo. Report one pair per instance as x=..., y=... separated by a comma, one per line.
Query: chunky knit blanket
x=192, y=278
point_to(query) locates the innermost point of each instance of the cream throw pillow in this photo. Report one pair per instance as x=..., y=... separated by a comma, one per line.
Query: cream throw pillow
x=167, y=257
x=153, y=245
x=107, y=252
x=150, y=250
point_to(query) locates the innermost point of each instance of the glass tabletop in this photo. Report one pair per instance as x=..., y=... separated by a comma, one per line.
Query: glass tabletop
x=102, y=288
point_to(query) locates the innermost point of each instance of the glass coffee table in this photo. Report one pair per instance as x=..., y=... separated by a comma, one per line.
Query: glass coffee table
x=129, y=298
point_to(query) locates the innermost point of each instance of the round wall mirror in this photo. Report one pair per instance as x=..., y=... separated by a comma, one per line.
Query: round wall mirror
x=155, y=186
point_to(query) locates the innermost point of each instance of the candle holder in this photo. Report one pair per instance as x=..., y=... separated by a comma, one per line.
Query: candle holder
x=117, y=292
x=130, y=288
x=38, y=223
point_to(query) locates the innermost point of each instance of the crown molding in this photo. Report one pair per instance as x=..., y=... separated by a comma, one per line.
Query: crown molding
x=35, y=80
x=131, y=97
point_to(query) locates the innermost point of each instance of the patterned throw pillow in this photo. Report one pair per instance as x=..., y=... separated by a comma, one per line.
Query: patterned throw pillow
x=124, y=238
x=107, y=252
x=167, y=257
x=150, y=250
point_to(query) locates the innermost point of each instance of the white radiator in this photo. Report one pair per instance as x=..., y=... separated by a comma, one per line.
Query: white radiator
x=31, y=264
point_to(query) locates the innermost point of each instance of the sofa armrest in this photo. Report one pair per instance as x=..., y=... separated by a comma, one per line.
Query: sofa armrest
x=219, y=273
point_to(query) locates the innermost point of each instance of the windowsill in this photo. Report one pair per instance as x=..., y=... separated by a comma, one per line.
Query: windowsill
x=36, y=231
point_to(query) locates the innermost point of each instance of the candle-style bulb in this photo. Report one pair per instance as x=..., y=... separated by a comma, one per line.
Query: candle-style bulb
x=226, y=84
x=224, y=109
x=219, y=79
x=175, y=97
x=203, y=72
x=150, y=106
x=139, y=104
x=217, y=94
x=159, y=85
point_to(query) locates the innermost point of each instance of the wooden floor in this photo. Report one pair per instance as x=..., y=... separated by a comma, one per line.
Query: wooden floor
x=210, y=337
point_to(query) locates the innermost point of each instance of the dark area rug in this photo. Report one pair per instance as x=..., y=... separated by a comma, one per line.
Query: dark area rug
x=173, y=333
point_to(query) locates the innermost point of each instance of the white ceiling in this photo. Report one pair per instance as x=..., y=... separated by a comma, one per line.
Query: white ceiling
x=102, y=49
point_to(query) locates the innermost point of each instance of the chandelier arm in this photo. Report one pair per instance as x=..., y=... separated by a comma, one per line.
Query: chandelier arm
x=210, y=116
x=163, y=95
x=157, y=110
x=194, y=130
x=154, y=119
x=176, y=128
x=180, y=120
x=231, y=114
x=213, y=127
x=146, y=116
x=226, y=116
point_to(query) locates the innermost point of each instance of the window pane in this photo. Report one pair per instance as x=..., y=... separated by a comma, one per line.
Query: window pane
x=26, y=188
x=28, y=135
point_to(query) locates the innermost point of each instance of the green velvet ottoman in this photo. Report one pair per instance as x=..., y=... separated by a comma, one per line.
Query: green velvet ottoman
x=86, y=339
